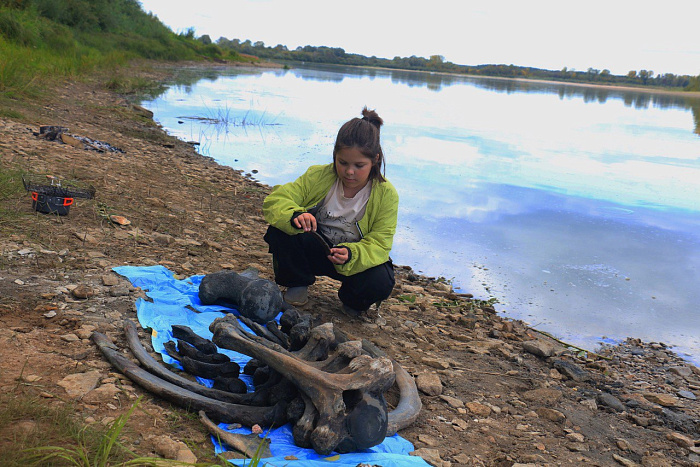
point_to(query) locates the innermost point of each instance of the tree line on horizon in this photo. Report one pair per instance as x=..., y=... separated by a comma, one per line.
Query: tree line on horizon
x=437, y=63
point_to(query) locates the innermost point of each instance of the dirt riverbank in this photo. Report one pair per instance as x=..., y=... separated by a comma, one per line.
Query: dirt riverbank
x=494, y=391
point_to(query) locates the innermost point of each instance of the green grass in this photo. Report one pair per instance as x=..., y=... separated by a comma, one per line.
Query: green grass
x=45, y=40
x=11, y=188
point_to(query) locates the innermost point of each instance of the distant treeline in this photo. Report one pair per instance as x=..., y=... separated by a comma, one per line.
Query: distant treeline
x=437, y=63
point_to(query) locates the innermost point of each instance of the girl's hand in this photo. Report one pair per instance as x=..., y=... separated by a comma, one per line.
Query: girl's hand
x=339, y=255
x=305, y=221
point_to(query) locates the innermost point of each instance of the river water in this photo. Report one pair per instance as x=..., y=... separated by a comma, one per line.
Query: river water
x=577, y=208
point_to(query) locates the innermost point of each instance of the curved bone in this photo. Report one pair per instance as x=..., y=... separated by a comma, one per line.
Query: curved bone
x=224, y=411
x=186, y=349
x=210, y=370
x=277, y=332
x=186, y=334
x=251, y=445
x=234, y=385
x=154, y=367
x=325, y=390
x=261, y=331
x=409, y=406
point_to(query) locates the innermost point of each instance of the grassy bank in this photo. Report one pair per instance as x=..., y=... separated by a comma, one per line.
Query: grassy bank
x=43, y=40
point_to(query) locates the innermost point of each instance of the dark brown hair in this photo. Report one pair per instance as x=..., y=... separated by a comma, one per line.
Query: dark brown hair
x=363, y=134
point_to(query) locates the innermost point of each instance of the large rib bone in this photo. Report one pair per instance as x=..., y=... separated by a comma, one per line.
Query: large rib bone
x=337, y=427
x=266, y=416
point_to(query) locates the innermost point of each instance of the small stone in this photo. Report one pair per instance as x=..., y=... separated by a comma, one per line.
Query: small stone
x=436, y=363
x=70, y=337
x=552, y=415
x=571, y=370
x=79, y=384
x=590, y=403
x=687, y=395
x=19, y=282
x=682, y=371
x=624, y=461
x=50, y=314
x=162, y=239
x=428, y=440
x=665, y=400
x=171, y=449
x=544, y=396
x=459, y=424
x=681, y=440
x=431, y=456
x=623, y=444
x=83, y=292
x=429, y=383
x=109, y=280
x=85, y=238
x=452, y=401
x=539, y=348
x=608, y=400
x=575, y=437
x=120, y=291
x=480, y=410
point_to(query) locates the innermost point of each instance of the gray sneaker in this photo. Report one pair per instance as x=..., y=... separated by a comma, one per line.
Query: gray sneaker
x=297, y=296
x=351, y=312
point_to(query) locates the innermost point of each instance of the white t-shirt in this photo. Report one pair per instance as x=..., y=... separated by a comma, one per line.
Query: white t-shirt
x=338, y=216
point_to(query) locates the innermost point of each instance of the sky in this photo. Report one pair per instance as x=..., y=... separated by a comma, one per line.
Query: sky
x=617, y=35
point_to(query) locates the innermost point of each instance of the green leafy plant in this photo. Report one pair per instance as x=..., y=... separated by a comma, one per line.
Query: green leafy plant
x=407, y=298
x=85, y=454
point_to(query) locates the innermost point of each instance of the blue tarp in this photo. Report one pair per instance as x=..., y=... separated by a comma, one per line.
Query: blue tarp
x=174, y=301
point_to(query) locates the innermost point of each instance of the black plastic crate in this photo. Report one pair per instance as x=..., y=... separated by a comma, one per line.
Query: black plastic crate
x=57, y=205
x=51, y=195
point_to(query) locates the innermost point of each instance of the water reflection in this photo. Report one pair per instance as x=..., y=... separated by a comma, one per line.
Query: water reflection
x=576, y=207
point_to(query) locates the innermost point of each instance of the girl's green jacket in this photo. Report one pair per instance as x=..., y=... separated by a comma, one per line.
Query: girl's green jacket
x=377, y=226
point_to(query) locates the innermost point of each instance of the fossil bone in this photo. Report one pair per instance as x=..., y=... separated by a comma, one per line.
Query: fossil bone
x=256, y=299
x=365, y=379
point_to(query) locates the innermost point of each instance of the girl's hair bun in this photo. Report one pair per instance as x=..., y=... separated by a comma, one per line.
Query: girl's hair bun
x=372, y=117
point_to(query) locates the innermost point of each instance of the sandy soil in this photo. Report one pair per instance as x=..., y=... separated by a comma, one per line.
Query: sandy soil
x=494, y=391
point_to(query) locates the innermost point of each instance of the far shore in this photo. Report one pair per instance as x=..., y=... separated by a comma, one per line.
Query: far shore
x=612, y=87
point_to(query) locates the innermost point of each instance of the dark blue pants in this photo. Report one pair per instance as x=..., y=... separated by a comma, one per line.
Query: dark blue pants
x=298, y=259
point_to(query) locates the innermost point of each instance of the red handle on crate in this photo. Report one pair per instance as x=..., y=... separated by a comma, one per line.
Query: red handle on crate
x=67, y=201
x=35, y=195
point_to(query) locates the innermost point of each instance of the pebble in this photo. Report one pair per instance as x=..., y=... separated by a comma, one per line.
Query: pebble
x=109, y=280
x=539, y=348
x=624, y=461
x=119, y=291
x=452, y=401
x=681, y=440
x=429, y=383
x=552, y=415
x=70, y=337
x=665, y=400
x=82, y=292
x=571, y=370
x=175, y=450
x=478, y=409
x=608, y=400
x=687, y=395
